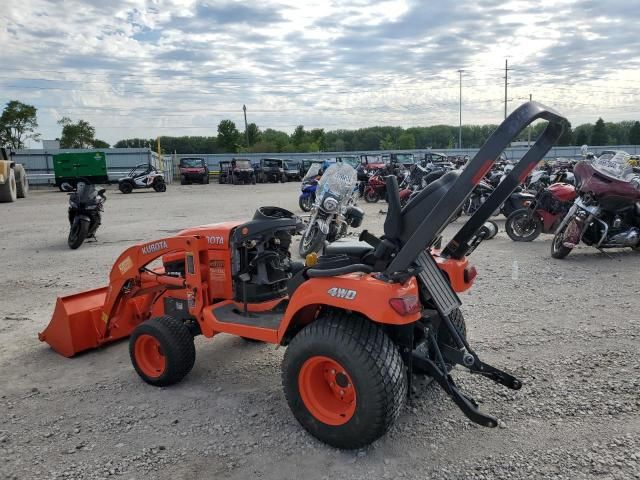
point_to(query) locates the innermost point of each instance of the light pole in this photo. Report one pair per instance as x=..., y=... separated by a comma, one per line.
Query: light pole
x=246, y=128
x=460, y=129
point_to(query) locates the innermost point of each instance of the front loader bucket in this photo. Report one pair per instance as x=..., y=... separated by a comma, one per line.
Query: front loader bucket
x=77, y=323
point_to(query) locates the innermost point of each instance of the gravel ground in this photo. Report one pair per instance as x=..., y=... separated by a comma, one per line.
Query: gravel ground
x=567, y=328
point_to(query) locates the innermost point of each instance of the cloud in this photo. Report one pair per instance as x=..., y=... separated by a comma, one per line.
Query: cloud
x=134, y=68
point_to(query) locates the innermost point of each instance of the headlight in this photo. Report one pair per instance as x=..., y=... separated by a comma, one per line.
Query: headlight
x=330, y=204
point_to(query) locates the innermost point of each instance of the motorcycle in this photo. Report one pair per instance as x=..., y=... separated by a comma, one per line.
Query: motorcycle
x=334, y=209
x=375, y=189
x=543, y=213
x=606, y=211
x=85, y=205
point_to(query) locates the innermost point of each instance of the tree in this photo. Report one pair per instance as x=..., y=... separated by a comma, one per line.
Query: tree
x=228, y=136
x=567, y=135
x=387, y=143
x=76, y=135
x=18, y=123
x=599, y=135
x=100, y=144
x=297, y=137
x=406, y=141
x=253, y=133
x=634, y=134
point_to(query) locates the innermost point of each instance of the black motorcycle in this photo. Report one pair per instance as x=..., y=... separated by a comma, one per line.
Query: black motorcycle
x=85, y=207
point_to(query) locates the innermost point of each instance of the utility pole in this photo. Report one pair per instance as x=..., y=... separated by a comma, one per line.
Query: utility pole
x=246, y=128
x=506, y=73
x=529, y=128
x=460, y=129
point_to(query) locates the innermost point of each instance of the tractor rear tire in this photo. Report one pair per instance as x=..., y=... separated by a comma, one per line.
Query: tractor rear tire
x=8, y=190
x=344, y=380
x=162, y=350
x=22, y=183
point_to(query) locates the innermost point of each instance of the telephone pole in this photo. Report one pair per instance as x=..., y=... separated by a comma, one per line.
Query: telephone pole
x=506, y=73
x=246, y=128
x=460, y=129
x=529, y=127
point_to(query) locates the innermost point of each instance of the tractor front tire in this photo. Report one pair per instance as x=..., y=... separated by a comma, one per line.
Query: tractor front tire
x=9, y=189
x=22, y=184
x=344, y=380
x=162, y=350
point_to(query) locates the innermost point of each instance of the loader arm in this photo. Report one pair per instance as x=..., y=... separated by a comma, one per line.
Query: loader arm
x=89, y=319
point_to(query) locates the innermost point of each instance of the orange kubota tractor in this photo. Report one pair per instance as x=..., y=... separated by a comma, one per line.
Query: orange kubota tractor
x=357, y=322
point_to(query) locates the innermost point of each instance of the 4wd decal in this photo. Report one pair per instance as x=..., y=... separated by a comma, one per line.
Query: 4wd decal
x=154, y=247
x=342, y=293
x=215, y=239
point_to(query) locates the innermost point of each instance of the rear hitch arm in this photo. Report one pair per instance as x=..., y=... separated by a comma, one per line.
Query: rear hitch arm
x=467, y=404
x=478, y=366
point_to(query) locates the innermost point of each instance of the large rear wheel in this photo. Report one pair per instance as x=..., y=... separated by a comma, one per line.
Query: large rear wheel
x=344, y=380
x=523, y=227
x=162, y=350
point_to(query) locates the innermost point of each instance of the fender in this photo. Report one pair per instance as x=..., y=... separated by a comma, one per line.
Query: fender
x=362, y=293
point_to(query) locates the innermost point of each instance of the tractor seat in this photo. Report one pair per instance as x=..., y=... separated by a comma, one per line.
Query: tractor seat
x=351, y=248
x=401, y=223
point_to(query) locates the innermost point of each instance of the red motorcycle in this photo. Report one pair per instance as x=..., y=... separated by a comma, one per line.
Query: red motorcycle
x=542, y=215
x=606, y=212
x=376, y=188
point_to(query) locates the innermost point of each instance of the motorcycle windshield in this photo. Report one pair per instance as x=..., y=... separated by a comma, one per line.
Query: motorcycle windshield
x=313, y=171
x=338, y=181
x=615, y=165
x=85, y=192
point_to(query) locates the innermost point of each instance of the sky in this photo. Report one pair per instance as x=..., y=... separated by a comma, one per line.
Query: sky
x=136, y=68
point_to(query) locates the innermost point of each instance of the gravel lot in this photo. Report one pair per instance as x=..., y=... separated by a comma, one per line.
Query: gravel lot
x=568, y=328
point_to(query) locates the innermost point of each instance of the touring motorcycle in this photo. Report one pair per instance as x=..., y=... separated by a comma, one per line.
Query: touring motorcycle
x=606, y=211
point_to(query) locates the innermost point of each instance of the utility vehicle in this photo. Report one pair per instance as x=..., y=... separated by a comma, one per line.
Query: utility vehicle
x=357, y=321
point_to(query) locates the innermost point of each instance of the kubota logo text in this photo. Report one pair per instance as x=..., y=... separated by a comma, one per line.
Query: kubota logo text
x=154, y=247
x=215, y=240
x=342, y=293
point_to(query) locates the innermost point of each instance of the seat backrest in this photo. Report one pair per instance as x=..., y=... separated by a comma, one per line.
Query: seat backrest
x=393, y=220
x=421, y=205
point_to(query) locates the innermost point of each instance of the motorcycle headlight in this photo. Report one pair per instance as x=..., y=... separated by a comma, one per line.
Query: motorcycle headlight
x=330, y=204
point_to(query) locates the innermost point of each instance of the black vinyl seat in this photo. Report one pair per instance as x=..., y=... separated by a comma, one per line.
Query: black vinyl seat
x=418, y=208
x=351, y=248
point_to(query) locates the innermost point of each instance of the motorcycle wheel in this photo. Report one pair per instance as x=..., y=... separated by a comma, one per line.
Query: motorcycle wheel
x=521, y=228
x=311, y=241
x=305, y=203
x=77, y=234
x=558, y=250
x=371, y=196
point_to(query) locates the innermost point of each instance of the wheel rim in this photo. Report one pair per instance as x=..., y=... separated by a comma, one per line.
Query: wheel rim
x=327, y=390
x=149, y=356
x=308, y=240
x=523, y=227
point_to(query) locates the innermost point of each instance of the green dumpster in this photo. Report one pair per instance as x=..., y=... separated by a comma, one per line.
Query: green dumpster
x=69, y=167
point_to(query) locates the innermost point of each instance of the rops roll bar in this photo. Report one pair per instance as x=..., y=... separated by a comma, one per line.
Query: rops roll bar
x=438, y=218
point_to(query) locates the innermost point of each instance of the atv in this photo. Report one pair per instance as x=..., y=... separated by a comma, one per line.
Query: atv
x=144, y=175
x=358, y=322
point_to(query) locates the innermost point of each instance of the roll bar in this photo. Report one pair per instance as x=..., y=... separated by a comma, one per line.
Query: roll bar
x=439, y=216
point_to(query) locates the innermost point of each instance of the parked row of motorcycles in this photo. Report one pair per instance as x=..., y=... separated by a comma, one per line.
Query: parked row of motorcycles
x=595, y=201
